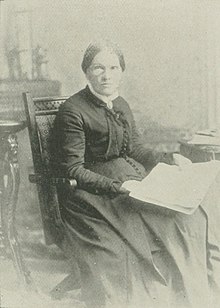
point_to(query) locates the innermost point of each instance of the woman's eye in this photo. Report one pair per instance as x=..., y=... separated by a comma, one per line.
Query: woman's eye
x=98, y=69
x=114, y=67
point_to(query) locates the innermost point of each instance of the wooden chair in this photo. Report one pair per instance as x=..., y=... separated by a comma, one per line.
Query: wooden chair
x=40, y=116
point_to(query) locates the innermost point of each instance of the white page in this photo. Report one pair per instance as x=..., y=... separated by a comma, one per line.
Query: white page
x=180, y=190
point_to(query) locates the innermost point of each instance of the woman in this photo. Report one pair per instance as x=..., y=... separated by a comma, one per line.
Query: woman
x=129, y=252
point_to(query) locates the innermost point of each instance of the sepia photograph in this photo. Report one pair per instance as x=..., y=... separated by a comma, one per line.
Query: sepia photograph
x=109, y=154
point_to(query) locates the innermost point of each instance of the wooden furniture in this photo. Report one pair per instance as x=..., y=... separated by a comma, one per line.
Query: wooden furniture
x=40, y=114
x=9, y=187
x=200, y=153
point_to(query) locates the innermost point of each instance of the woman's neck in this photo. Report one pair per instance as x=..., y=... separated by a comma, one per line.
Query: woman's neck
x=106, y=99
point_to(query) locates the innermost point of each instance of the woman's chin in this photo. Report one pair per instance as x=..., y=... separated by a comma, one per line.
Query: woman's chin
x=107, y=91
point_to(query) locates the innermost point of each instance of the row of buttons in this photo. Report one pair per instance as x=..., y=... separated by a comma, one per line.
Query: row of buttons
x=131, y=162
x=125, y=141
x=124, y=150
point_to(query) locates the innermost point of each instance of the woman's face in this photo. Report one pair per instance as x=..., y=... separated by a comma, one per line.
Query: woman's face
x=105, y=73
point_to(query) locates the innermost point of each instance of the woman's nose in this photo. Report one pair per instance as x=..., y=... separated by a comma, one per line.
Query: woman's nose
x=106, y=74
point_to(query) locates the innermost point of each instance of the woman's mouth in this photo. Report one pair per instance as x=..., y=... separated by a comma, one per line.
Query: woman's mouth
x=107, y=84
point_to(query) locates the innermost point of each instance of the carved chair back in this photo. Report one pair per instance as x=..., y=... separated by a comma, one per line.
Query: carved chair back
x=40, y=116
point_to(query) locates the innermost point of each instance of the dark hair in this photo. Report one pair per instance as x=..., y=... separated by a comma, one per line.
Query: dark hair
x=94, y=48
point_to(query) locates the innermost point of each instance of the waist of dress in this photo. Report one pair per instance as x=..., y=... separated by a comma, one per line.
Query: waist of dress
x=122, y=168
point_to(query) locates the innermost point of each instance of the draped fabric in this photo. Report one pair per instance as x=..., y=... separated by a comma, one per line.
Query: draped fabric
x=130, y=254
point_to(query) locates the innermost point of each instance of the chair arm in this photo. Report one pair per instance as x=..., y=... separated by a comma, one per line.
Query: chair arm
x=39, y=179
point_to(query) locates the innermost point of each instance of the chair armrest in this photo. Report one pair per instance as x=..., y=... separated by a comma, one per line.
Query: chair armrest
x=39, y=179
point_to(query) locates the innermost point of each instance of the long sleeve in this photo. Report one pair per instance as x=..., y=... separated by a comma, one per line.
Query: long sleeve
x=147, y=157
x=72, y=145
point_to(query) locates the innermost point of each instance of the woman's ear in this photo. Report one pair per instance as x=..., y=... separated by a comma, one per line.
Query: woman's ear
x=87, y=75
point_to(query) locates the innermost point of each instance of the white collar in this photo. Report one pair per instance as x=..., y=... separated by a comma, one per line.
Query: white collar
x=106, y=99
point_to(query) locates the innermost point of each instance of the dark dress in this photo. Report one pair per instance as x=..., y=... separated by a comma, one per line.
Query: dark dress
x=129, y=252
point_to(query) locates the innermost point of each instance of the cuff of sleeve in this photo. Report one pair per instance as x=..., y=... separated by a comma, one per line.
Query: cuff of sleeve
x=115, y=187
x=167, y=158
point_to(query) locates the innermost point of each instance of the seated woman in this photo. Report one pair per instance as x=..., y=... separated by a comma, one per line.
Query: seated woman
x=130, y=254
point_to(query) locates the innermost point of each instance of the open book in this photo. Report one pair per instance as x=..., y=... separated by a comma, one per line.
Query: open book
x=177, y=189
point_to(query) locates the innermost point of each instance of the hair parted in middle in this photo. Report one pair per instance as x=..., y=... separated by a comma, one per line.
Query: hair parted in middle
x=94, y=48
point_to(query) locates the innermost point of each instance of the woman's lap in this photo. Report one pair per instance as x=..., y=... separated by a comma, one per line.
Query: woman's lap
x=125, y=243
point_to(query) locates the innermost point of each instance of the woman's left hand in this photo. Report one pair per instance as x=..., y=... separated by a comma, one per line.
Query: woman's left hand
x=181, y=161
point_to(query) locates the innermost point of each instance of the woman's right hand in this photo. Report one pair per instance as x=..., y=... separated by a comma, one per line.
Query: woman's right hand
x=123, y=190
x=130, y=185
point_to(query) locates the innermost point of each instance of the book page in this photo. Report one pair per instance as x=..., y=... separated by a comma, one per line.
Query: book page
x=178, y=189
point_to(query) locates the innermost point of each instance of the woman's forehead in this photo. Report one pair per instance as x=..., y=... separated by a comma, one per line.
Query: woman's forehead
x=106, y=57
x=106, y=53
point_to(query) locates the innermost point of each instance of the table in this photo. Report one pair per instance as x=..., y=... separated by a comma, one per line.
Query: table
x=200, y=153
x=9, y=187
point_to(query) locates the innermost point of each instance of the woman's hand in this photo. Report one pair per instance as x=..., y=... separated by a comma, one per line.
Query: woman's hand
x=123, y=190
x=181, y=161
x=129, y=185
x=118, y=188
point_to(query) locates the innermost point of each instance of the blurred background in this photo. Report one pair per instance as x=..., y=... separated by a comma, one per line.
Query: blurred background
x=171, y=81
x=172, y=49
